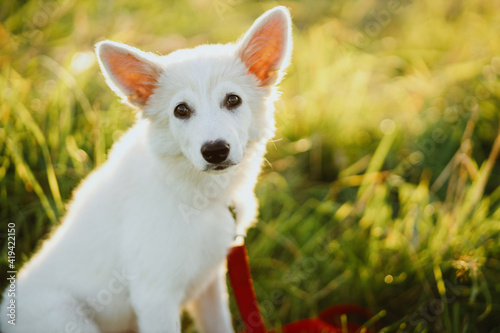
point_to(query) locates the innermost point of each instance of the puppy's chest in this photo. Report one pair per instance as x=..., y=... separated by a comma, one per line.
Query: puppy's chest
x=183, y=247
x=176, y=238
x=206, y=245
x=208, y=249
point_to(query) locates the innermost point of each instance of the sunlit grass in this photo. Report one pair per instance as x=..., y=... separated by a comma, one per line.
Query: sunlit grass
x=382, y=182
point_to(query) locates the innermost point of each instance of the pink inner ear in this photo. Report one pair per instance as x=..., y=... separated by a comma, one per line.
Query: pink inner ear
x=133, y=75
x=264, y=51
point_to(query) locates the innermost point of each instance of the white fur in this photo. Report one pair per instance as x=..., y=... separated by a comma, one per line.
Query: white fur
x=148, y=232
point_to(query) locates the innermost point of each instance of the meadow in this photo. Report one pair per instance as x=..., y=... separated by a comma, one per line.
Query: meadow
x=381, y=187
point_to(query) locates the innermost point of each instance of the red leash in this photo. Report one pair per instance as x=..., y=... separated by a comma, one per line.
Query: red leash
x=238, y=270
x=328, y=321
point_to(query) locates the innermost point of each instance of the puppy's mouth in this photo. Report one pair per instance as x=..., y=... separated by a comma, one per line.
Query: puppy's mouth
x=219, y=167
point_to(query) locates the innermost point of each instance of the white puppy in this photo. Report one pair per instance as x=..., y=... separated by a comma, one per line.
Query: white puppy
x=148, y=232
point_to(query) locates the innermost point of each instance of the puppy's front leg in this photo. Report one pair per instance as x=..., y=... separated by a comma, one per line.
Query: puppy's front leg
x=210, y=310
x=157, y=310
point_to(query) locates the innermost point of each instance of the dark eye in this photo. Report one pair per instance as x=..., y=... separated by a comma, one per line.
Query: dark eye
x=232, y=101
x=182, y=111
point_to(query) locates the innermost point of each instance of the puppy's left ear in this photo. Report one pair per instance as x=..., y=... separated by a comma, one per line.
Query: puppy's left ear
x=266, y=47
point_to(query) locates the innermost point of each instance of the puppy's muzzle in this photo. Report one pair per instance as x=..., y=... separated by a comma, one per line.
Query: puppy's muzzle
x=215, y=152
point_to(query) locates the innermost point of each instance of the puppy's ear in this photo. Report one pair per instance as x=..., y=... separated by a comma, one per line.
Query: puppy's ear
x=131, y=73
x=265, y=49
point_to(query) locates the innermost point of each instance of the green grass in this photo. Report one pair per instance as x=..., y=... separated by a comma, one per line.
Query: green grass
x=382, y=186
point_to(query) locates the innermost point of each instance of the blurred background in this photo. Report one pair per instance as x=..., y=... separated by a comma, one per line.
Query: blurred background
x=381, y=187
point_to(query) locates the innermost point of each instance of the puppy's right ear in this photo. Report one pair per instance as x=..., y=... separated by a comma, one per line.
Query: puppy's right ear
x=266, y=47
x=131, y=73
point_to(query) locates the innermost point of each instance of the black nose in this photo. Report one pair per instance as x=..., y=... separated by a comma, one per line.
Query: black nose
x=215, y=151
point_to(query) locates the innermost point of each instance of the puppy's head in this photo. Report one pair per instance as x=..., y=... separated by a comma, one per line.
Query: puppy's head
x=210, y=102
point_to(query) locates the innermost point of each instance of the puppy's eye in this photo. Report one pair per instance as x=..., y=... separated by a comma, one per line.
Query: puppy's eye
x=182, y=111
x=232, y=101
